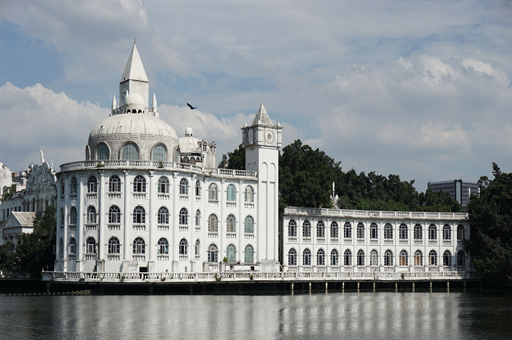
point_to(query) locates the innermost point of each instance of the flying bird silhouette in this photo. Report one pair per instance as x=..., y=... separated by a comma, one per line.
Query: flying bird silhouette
x=191, y=107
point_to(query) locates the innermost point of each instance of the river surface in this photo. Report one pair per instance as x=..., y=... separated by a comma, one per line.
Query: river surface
x=381, y=315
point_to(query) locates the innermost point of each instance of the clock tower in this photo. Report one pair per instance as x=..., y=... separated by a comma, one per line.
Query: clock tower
x=262, y=141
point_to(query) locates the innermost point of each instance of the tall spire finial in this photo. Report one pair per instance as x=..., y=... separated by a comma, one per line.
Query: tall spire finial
x=134, y=40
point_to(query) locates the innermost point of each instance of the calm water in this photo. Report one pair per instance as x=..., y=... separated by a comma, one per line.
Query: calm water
x=322, y=316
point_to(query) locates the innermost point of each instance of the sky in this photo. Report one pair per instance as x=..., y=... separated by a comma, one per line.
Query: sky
x=417, y=89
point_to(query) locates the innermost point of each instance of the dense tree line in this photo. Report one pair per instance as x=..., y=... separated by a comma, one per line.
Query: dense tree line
x=34, y=251
x=490, y=215
x=306, y=176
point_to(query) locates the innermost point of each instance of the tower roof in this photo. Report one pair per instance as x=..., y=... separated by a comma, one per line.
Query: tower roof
x=134, y=69
x=262, y=117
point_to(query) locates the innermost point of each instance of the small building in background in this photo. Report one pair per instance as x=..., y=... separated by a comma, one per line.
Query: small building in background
x=459, y=190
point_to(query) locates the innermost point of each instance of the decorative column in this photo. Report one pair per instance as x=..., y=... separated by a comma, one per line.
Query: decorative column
x=151, y=225
x=241, y=232
x=102, y=216
x=175, y=224
x=126, y=214
x=222, y=220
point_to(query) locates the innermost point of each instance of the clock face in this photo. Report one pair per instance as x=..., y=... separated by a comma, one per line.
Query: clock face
x=269, y=136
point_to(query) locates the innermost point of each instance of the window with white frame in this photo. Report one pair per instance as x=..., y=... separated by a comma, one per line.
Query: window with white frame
x=292, y=257
x=231, y=253
x=231, y=193
x=163, y=215
x=183, y=218
x=320, y=229
x=114, y=184
x=403, y=258
x=249, y=194
x=139, y=246
x=432, y=232
x=320, y=257
x=91, y=215
x=388, y=231
x=114, y=215
x=461, y=258
x=73, y=216
x=130, y=151
x=418, y=258
x=198, y=218
x=72, y=246
x=162, y=246
x=74, y=186
x=249, y=225
x=335, y=232
x=447, y=232
x=92, y=184
x=198, y=188
x=249, y=254
x=403, y=232
x=139, y=184
x=347, y=230
x=231, y=224
x=213, y=253
x=460, y=232
x=197, y=247
x=292, y=228
x=360, y=230
x=306, y=229
x=102, y=152
x=183, y=186
x=183, y=247
x=432, y=258
x=213, y=223
x=418, y=232
x=347, y=258
x=159, y=153
x=447, y=258
x=139, y=215
x=374, y=231
x=335, y=256
x=163, y=185
x=374, y=258
x=360, y=257
x=306, y=257
x=388, y=258
x=90, y=247
x=114, y=246
x=213, y=192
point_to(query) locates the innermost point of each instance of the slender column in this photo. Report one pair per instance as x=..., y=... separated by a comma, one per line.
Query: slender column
x=222, y=219
x=241, y=231
x=80, y=225
x=101, y=215
x=126, y=213
x=175, y=218
x=151, y=214
x=190, y=250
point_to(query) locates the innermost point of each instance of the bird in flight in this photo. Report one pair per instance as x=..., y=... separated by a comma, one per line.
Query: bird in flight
x=191, y=107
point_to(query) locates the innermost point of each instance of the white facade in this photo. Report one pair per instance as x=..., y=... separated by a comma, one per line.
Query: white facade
x=146, y=200
x=334, y=240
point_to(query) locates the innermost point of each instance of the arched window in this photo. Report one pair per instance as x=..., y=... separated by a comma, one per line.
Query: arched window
x=87, y=153
x=139, y=215
x=432, y=232
x=249, y=254
x=114, y=215
x=347, y=258
x=74, y=186
x=92, y=184
x=403, y=260
x=130, y=152
x=90, y=246
x=418, y=258
x=292, y=257
x=403, y=232
x=114, y=184
x=61, y=246
x=335, y=256
x=159, y=153
x=163, y=215
x=114, y=246
x=306, y=257
x=139, y=184
x=213, y=253
x=213, y=223
x=163, y=185
x=183, y=216
x=447, y=232
x=320, y=257
x=320, y=229
x=447, y=258
x=91, y=215
x=231, y=193
x=73, y=216
x=249, y=194
x=388, y=231
x=418, y=232
x=162, y=247
x=139, y=246
x=374, y=231
x=231, y=253
x=183, y=186
x=432, y=258
x=249, y=225
x=334, y=230
x=185, y=160
x=198, y=218
x=292, y=228
x=197, y=247
x=461, y=258
x=177, y=156
x=388, y=258
x=183, y=247
x=374, y=258
x=347, y=230
x=198, y=188
x=72, y=246
x=460, y=232
x=360, y=257
x=360, y=230
x=102, y=152
x=306, y=229
x=231, y=224
x=213, y=192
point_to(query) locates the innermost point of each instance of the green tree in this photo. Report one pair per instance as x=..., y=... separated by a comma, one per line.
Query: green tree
x=490, y=216
x=236, y=159
x=35, y=251
x=7, y=258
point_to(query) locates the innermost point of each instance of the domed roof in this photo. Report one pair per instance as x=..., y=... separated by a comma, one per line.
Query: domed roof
x=133, y=124
x=189, y=143
x=134, y=98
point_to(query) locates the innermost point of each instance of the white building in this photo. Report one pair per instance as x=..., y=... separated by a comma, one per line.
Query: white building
x=145, y=200
x=334, y=240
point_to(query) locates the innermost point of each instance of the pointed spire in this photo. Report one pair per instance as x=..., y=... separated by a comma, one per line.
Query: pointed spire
x=114, y=104
x=262, y=117
x=153, y=103
x=134, y=69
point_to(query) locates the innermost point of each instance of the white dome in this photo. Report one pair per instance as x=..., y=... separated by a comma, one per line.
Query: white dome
x=134, y=98
x=189, y=132
x=142, y=124
x=190, y=144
